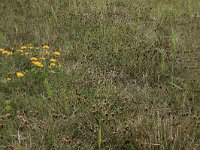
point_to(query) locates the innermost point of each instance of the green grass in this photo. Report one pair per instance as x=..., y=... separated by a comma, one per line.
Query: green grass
x=128, y=75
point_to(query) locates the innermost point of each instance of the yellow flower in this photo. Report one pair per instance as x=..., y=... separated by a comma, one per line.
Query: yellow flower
x=52, y=60
x=23, y=47
x=4, y=52
x=52, y=65
x=37, y=63
x=45, y=47
x=8, y=79
x=20, y=50
x=37, y=48
x=1, y=49
x=30, y=47
x=7, y=53
x=20, y=74
x=42, y=58
x=33, y=59
x=57, y=53
x=26, y=53
x=47, y=52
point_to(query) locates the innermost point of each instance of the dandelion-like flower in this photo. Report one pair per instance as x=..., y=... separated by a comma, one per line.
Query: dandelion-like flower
x=20, y=50
x=4, y=52
x=33, y=59
x=8, y=79
x=23, y=47
x=30, y=47
x=57, y=53
x=37, y=63
x=42, y=58
x=52, y=60
x=19, y=74
x=7, y=53
x=47, y=52
x=45, y=47
x=52, y=65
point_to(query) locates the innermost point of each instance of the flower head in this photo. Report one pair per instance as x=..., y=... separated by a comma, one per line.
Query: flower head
x=23, y=47
x=7, y=53
x=30, y=47
x=20, y=50
x=52, y=60
x=42, y=58
x=57, y=53
x=8, y=79
x=37, y=63
x=45, y=47
x=52, y=65
x=33, y=59
x=47, y=52
x=20, y=74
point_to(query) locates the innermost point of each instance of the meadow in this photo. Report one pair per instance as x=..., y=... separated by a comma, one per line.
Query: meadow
x=100, y=74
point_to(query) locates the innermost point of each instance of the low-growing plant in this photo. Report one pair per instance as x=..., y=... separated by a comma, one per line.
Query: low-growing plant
x=29, y=67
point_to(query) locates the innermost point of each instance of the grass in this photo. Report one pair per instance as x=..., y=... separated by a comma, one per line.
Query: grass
x=127, y=77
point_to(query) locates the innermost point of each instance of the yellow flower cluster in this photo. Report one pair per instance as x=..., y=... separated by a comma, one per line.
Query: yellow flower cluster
x=39, y=57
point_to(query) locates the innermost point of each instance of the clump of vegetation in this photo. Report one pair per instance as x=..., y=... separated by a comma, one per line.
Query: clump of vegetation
x=27, y=67
x=115, y=75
